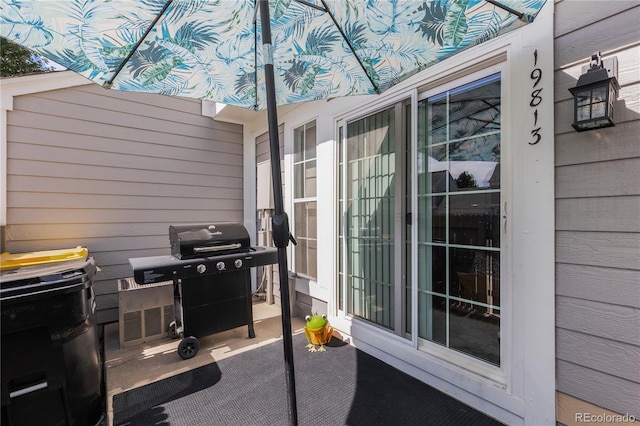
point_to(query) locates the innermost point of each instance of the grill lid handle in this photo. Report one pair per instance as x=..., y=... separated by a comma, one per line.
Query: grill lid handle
x=217, y=248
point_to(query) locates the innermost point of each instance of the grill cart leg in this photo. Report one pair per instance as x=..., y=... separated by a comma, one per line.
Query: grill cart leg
x=252, y=332
x=176, y=328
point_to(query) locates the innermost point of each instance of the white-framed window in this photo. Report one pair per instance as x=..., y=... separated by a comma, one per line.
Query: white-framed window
x=304, y=200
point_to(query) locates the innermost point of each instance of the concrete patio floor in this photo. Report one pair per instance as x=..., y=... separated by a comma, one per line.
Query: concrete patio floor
x=135, y=366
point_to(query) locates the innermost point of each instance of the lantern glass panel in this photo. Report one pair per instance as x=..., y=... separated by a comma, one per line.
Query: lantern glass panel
x=612, y=98
x=599, y=94
x=583, y=113
x=583, y=98
x=599, y=110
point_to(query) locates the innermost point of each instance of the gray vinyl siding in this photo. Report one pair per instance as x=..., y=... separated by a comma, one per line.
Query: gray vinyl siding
x=111, y=171
x=263, y=150
x=598, y=213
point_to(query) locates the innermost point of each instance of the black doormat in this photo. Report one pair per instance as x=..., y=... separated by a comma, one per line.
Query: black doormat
x=342, y=386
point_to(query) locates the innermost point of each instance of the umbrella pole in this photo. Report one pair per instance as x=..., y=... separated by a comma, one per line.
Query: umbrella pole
x=279, y=221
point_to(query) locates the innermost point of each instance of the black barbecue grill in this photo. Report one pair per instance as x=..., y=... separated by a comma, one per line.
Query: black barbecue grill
x=209, y=266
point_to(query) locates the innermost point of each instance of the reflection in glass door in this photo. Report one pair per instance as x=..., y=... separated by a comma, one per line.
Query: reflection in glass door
x=370, y=218
x=459, y=219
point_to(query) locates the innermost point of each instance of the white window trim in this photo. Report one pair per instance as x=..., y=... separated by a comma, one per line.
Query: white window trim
x=301, y=276
x=318, y=287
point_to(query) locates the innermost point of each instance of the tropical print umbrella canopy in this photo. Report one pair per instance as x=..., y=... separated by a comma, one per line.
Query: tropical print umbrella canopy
x=206, y=49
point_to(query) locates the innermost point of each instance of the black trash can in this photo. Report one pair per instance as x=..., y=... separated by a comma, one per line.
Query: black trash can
x=52, y=363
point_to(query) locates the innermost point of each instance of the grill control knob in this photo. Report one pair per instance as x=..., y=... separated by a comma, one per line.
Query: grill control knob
x=201, y=268
x=220, y=266
x=238, y=263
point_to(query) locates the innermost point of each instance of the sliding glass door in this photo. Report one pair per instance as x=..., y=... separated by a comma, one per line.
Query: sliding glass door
x=457, y=238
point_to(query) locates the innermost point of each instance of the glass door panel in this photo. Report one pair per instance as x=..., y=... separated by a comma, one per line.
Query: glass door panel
x=370, y=227
x=459, y=219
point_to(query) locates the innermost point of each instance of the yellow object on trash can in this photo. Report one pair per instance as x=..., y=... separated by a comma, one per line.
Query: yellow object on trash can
x=36, y=258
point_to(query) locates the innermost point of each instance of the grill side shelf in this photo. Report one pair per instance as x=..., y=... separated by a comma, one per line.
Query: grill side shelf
x=151, y=270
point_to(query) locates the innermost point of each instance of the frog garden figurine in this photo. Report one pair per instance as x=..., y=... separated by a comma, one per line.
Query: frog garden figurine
x=318, y=332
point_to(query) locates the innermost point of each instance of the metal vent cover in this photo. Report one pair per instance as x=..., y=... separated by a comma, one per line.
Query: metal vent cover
x=153, y=321
x=145, y=311
x=132, y=326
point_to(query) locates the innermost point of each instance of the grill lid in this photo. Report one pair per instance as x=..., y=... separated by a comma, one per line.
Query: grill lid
x=206, y=240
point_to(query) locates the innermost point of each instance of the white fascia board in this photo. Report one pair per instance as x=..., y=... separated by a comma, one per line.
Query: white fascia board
x=226, y=113
x=36, y=83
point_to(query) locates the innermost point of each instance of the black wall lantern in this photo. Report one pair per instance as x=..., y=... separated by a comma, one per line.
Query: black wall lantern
x=595, y=93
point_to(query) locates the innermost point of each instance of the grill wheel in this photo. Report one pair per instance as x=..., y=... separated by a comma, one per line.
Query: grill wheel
x=172, y=330
x=188, y=347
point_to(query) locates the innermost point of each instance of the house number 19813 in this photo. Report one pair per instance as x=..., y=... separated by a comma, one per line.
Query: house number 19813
x=536, y=99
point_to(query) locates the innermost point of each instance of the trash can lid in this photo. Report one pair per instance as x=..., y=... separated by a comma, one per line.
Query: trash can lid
x=46, y=280
x=35, y=258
